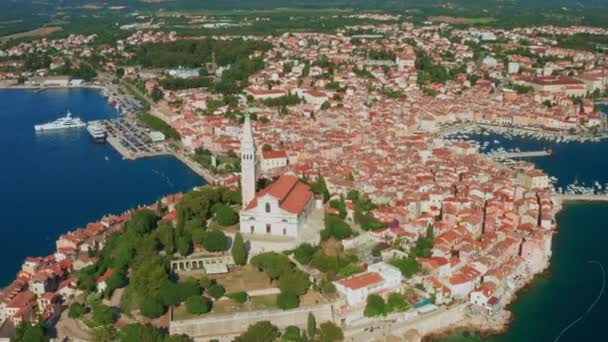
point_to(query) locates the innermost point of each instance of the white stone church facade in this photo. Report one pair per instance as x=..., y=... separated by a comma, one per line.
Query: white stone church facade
x=281, y=209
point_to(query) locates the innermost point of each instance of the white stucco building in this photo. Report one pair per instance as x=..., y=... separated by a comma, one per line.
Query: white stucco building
x=273, y=159
x=380, y=277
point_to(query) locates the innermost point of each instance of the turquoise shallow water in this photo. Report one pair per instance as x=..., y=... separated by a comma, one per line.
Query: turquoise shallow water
x=565, y=295
x=57, y=181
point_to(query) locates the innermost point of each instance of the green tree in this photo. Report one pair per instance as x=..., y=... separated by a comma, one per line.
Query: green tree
x=274, y=264
x=240, y=296
x=151, y=308
x=102, y=315
x=408, y=266
x=292, y=333
x=215, y=241
x=156, y=94
x=262, y=331
x=184, y=245
x=165, y=233
x=179, y=338
x=142, y=222
x=239, y=250
x=311, y=325
x=216, y=291
x=175, y=293
x=103, y=334
x=287, y=300
x=149, y=272
x=77, y=310
x=138, y=332
x=320, y=187
x=295, y=281
x=197, y=305
x=303, y=253
x=329, y=332
x=226, y=216
x=117, y=280
x=28, y=332
x=120, y=72
x=396, y=302
x=375, y=306
x=335, y=227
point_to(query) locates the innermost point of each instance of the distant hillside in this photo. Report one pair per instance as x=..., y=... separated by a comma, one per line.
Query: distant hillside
x=24, y=15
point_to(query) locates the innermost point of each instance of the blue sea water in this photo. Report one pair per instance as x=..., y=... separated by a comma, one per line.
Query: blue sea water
x=54, y=182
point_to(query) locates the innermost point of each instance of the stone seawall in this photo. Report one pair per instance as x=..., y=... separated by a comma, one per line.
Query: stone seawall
x=443, y=318
x=221, y=325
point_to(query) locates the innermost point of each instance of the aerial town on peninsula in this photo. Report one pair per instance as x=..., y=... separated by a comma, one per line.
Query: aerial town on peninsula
x=337, y=205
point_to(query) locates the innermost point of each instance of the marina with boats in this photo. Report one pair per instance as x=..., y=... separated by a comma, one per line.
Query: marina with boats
x=513, y=147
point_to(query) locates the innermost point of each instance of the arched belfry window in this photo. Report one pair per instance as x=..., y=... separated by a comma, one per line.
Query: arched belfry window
x=267, y=207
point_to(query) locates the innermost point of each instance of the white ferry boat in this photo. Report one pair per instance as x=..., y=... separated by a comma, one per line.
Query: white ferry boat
x=62, y=123
x=97, y=132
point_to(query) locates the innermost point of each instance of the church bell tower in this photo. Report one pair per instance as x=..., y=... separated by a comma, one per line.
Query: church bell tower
x=248, y=163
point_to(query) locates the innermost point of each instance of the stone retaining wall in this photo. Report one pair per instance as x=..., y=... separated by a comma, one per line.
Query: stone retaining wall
x=237, y=323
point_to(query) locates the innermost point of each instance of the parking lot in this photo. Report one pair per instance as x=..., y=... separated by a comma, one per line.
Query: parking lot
x=131, y=139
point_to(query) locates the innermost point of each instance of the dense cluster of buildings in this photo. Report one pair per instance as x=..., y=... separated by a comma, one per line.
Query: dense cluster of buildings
x=364, y=121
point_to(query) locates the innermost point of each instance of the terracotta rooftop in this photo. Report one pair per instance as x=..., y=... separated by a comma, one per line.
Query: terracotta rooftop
x=292, y=194
x=361, y=281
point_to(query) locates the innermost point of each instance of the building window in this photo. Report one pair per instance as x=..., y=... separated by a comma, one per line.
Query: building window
x=284, y=231
x=267, y=207
x=252, y=229
x=267, y=229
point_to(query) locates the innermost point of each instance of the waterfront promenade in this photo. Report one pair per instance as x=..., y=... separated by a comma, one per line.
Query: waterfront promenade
x=583, y=198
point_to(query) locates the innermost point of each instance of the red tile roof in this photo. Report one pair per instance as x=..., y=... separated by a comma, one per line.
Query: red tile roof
x=292, y=194
x=274, y=154
x=361, y=281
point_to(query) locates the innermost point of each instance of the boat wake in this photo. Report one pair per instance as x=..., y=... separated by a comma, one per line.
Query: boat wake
x=592, y=304
x=164, y=177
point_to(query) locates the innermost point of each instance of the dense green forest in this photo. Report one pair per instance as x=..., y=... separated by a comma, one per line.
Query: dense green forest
x=73, y=16
x=192, y=54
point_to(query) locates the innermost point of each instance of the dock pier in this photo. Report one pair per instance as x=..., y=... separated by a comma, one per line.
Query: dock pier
x=528, y=154
x=583, y=197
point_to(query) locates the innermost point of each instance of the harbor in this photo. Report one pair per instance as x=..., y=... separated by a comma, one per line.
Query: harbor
x=86, y=179
x=131, y=140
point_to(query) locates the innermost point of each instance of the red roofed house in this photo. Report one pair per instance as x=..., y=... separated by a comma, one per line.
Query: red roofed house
x=102, y=281
x=380, y=277
x=273, y=159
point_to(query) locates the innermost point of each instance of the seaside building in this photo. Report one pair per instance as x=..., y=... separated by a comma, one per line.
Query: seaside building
x=380, y=277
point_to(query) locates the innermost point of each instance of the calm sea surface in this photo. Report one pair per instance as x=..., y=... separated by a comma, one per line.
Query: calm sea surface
x=54, y=182
x=571, y=293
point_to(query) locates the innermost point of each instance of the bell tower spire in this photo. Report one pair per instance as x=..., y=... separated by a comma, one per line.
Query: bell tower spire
x=248, y=162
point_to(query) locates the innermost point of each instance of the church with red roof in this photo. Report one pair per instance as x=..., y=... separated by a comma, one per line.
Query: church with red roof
x=282, y=208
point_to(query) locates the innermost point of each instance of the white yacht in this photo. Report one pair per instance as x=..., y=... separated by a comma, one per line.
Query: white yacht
x=62, y=123
x=96, y=131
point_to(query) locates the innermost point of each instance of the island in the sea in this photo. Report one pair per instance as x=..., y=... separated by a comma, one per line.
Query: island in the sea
x=345, y=198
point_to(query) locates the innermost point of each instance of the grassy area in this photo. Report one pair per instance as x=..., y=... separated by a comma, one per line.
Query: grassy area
x=39, y=32
x=157, y=124
x=246, y=278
